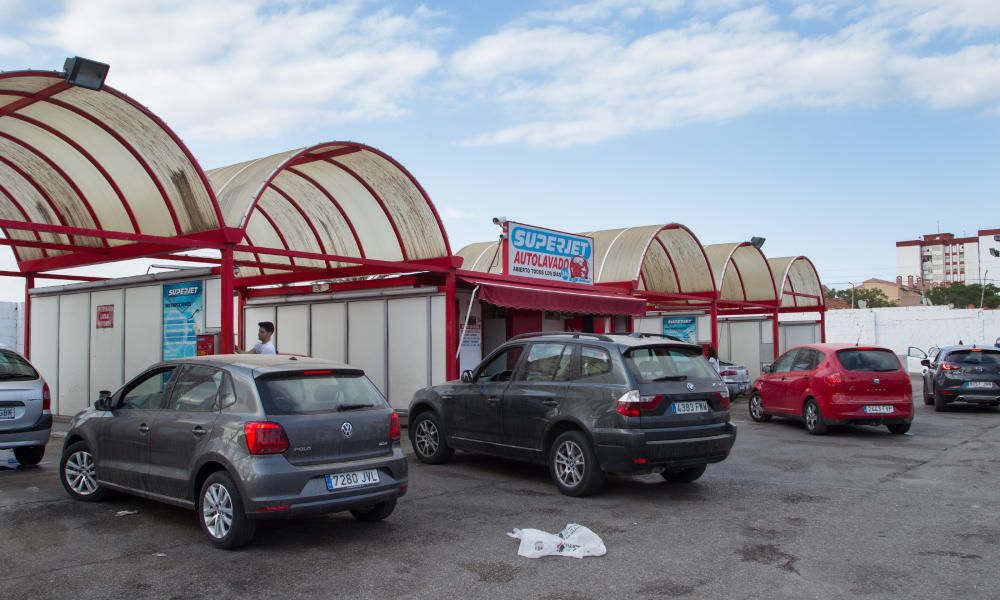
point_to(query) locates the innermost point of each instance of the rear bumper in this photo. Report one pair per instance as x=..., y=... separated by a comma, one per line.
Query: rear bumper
x=853, y=413
x=34, y=435
x=274, y=483
x=638, y=451
x=738, y=388
x=959, y=393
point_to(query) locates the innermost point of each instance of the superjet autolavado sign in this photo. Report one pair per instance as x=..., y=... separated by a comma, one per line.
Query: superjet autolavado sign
x=550, y=255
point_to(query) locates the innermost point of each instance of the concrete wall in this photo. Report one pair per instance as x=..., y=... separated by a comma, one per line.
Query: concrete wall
x=918, y=326
x=12, y=325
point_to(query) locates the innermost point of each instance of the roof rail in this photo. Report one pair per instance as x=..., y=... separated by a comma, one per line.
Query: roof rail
x=573, y=334
x=636, y=334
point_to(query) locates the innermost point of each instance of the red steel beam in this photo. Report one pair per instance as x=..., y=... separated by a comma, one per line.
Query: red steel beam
x=308, y=158
x=30, y=99
x=378, y=199
x=305, y=218
x=24, y=214
x=277, y=230
x=333, y=200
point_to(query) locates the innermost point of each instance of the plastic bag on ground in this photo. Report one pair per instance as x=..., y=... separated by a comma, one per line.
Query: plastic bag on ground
x=575, y=540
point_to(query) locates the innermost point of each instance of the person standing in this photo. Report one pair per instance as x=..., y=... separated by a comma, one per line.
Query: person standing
x=264, y=345
x=713, y=358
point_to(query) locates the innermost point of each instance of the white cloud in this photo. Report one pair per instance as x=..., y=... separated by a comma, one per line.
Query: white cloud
x=597, y=10
x=247, y=69
x=963, y=79
x=814, y=11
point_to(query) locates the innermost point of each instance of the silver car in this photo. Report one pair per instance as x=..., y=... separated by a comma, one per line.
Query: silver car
x=737, y=378
x=25, y=415
x=240, y=438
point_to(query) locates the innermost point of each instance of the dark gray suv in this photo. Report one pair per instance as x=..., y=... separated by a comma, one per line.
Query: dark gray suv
x=241, y=438
x=585, y=405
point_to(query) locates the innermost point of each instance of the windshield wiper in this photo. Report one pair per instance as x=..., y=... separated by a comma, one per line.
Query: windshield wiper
x=346, y=407
x=671, y=378
x=6, y=376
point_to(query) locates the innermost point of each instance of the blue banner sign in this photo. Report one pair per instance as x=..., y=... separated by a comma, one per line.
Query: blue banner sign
x=683, y=328
x=547, y=254
x=183, y=318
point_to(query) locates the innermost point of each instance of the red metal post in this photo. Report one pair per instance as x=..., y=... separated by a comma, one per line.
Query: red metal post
x=29, y=282
x=226, y=274
x=776, y=333
x=451, y=326
x=715, y=325
x=242, y=295
x=822, y=325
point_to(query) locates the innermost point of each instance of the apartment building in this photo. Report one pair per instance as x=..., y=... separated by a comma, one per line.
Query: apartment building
x=941, y=258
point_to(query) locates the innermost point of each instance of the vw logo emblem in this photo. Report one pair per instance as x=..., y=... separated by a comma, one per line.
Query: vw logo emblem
x=690, y=386
x=346, y=429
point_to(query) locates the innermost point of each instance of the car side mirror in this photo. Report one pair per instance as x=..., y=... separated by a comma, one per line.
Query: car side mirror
x=466, y=376
x=103, y=400
x=926, y=362
x=768, y=368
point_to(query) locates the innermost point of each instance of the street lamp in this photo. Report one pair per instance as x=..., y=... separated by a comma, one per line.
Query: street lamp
x=85, y=73
x=982, y=293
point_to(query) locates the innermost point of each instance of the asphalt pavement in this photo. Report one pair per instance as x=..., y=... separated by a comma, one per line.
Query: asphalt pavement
x=856, y=513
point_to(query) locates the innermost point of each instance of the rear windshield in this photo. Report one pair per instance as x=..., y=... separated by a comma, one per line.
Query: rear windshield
x=868, y=360
x=669, y=363
x=990, y=358
x=326, y=391
x=13, y=367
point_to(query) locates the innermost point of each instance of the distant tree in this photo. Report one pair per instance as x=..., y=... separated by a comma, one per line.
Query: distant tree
x=962, y=295
x=874, y=298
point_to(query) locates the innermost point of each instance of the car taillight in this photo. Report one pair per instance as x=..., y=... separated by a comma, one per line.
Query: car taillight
x=723, y=398
x=631, y=404
x=950, y=367
x=729, y=373
x=835, y=379
x=394, y=428
x=265, y=437
x=46, y=397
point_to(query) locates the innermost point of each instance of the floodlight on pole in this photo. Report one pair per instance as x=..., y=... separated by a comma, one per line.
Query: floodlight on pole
x=85, y=73
x=757, y=242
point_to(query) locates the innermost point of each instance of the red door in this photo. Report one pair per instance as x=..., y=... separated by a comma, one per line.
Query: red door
x=772, y=385
x=799, y=379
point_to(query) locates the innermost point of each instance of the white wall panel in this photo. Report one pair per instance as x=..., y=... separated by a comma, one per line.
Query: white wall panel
x=409, y=349
x=745, y=345
x=366, y=331
x=251, y=316
x=107, y=344
x=439, y=359
x=213, y=303
x=328, y=326
x=74, y=353
x=143, y=328
x=291, y=334
x=45, y=341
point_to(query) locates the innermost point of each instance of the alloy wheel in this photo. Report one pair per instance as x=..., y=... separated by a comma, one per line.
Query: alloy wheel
x=570, y=464
x=427, y=438
x=80, y=473
x=756, y=410
x=812, y=416
x=217, y=510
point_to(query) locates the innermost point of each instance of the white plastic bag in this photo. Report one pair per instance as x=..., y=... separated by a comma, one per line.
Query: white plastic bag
x=575, y=540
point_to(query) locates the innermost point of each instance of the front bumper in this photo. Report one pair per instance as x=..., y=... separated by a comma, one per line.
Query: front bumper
x=640, y=451
x=34, y=435
x=275, y=488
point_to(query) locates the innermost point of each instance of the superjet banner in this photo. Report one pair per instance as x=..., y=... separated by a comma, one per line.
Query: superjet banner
x=550, y=255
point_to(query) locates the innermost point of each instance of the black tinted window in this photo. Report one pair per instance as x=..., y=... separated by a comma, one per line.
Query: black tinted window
x=868, y=360
x=148, y=392
x=661, y=363
x=501, y=366
x=14, y=368
x=547, y=362
x=318, y=392
x=989, y=358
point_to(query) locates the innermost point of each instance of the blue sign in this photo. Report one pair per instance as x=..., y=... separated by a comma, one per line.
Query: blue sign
x=183, y=318
x=547, y=254
x=683, y=328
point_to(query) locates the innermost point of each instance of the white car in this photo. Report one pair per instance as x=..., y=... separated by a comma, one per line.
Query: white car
x=25, y=415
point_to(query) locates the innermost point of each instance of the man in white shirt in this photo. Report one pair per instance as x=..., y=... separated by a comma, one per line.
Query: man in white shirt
x=264, y=344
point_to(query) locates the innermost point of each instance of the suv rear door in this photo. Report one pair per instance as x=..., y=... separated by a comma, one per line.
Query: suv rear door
x=979, y=369
x=329, y=415
x=677, y=387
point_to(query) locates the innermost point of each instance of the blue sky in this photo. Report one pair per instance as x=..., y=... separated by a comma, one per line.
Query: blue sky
x=831, y=127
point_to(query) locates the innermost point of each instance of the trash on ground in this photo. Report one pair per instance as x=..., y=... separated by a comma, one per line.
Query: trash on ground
x=575, y=540
x=160, y=554
x=126, y=513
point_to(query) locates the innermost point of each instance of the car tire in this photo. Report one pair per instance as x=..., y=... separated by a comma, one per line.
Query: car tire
x=939, y=404
x=899, y=428
x=684, y=475
x=429, y=443
x=756, y=407
x=374, y=513
x=78, y=474
x=29, y=456
x=219, y=500
x=573, y=465
x=813, y=418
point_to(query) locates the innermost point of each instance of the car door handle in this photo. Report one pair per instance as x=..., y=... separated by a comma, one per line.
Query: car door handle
x=550, y=402
x=493, y=399
x=198, y=431
x=143, y=428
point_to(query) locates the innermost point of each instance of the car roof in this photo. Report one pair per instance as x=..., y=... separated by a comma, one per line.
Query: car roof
x=833, y=347
x=622, y=339
x=264, y=363
x=968, y=347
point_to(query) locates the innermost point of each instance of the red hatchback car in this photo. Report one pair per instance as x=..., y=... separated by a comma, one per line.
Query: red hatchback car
x=835, y=384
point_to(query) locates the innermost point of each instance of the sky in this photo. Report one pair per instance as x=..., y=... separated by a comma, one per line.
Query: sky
x=833, y=128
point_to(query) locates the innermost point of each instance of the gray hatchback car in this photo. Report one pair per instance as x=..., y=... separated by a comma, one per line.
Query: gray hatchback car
x=241, y=438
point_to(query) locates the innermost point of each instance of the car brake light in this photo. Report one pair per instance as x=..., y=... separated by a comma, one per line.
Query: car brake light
x=317, y=372
x=950, y=367
x=265, y=437
x=394, y=433
x=46, y=397
x=631, y=404
x=729, y=373
x=723, y=398
x=835, y=379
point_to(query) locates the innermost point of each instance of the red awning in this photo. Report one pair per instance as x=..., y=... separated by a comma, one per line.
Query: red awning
x=514, y=295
